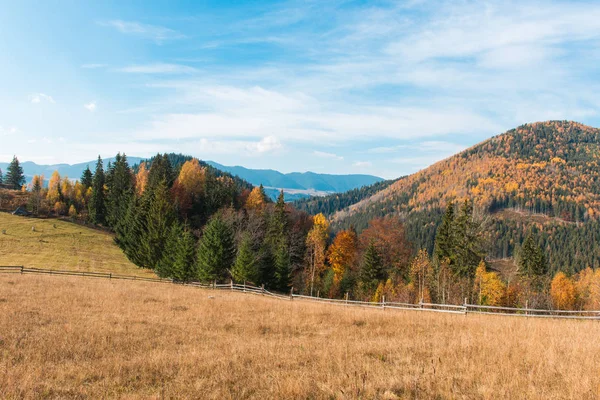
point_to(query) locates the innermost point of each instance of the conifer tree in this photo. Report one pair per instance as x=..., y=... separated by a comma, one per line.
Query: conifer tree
x=157, y=224
x=184, y=267
x=86, y=178
x=372, y=270
x=282, y=267
x=1, y=176
x=120, y=189
x=97, y=207
x=245, y=267
x=443, y=239
x=216, y=251
x=14, y=175
x=531, y=261
x=164, y=268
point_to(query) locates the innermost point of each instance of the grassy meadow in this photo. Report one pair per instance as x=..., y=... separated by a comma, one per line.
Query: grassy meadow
x=71, y=337
x=59, y=244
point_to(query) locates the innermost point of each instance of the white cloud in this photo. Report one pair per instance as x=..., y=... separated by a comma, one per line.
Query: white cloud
x=159, y=34
x=266, y=145
x=323, y=154
x=158, y=68
x=8, y=131
x=363, y=164
x=39, y=97
x=90, y=106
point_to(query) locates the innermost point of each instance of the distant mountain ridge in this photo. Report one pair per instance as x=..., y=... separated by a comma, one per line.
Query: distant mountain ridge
x=300, y=184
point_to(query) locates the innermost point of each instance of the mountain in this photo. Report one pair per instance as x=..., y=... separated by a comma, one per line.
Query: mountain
x=542, y=177
x=299, y=185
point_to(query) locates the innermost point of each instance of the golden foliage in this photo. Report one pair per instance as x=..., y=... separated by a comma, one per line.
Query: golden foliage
x=256, y=199
x=141, y=179
x=342, y=253
x=490, y=289
x=562, y=291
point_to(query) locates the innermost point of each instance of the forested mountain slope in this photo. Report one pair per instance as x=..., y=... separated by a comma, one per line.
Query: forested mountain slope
x=541, y=177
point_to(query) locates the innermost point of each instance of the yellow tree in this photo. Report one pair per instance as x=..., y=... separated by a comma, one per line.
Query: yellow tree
x=54, y=184
x=562, y=291
x=189, y=185
x=490, y=289
x=316, y=243
x=141, y=179
x=256, y=199
x=422, y=276
x=342, y=253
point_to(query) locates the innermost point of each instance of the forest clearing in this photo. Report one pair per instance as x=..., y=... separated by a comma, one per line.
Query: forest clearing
x=73, y=337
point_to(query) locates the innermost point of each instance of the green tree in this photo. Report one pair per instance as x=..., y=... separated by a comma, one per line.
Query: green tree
x=372, y=270
x=87, y=178
x=444, y=244
x=120, y=189
x=184, y=260
x=282, y=267
x=14, y=174
x=531, y=260
x=216, y=251
x=157, y=225
x=1, y=176
x=245, y=267
x=97, y=206
x=467, y=236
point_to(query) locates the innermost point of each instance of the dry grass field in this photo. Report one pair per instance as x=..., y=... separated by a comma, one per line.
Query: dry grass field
x=59, y=244
x=69, y=337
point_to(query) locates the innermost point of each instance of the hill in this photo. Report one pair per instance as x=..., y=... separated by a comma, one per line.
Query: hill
x=56, y=244
x=299, y=185
x=65, y=337
x=541, y=177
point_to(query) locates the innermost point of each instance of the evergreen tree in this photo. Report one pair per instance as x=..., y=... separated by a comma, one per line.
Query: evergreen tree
x=245, y=267
x=157, y=225
x=282, y=267
x=372, y=271
x=1, y=176
x=467, y=252
x=120, y=189
x=443, y=240
x=267, y=266
x=216, y=251
x=86, y=178
x=14, y=174
x=165, y=267
x=129, y=231
x=531, y=260
x=160, y=170
x=97, y=207
x=184, y=265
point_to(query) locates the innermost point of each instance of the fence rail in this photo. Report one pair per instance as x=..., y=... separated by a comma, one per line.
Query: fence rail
x=383, y=305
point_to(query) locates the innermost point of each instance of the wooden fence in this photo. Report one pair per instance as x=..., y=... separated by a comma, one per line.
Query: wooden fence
x=383, y=305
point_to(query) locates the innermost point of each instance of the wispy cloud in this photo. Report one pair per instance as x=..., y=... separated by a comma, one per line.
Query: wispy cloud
x=159, y=34
x=362, y=164
x=158, y=68
x=6, y=131
x=40, y=97
x=324, y=154
x=90, y=106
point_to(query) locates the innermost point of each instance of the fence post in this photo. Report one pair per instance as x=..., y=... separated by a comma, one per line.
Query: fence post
x=110, y=275
x=465, y=306
x=383, y=302
x=421, y=303
x=318, y=293
x=21, y=269
x=231, y=285
x=526, y=307
x=214, y=284
x=262, y=287
x=244, y=286
x=346, y=298
x=292, y=293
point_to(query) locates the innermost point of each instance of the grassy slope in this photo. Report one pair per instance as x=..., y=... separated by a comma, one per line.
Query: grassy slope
x=68, y=246
x=63, y=337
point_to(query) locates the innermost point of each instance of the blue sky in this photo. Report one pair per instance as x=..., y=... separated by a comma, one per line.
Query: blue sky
x=377, y=87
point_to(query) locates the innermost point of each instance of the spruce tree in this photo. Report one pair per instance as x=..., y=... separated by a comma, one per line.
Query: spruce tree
x=216, y=251
x=245, y=267
x=467, y=252
x=443, y=240
x=14, y=175
x=282, y=267
x=372, y=271
x=164, y=268
x=532, y=261
x=1, y=176
x=87, y=178
x=97, y=207
x=120, y=189
x=157, y=225
x=184, y=265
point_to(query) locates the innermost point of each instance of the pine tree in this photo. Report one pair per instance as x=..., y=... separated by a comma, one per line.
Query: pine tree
x=1, y=176
x=87, y=178
x=372, y=270
x=245, y=267
x=97, y=207
x=120, y=189
x=531, y=261
x=160, y=170
x=216, y=251
x=443, y=240
x=165, y=267
x=14, y=175
x=129, y=231
x=184, y=257
x=282, y=267
x=467, y=252
x=157, y=224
